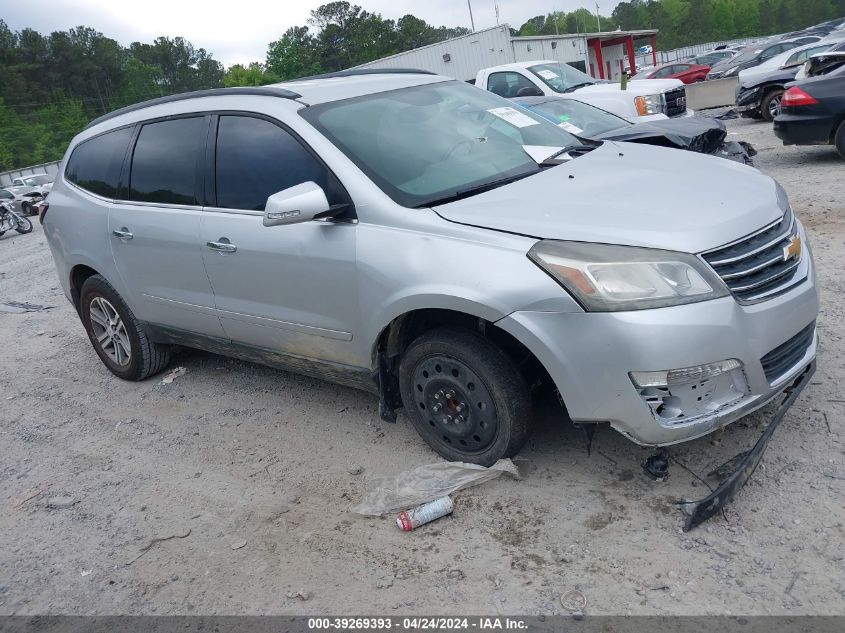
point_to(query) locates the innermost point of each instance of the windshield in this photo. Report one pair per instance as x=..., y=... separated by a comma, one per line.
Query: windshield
x=561, y=77
x=433, y=141
x=34, y=181
x=576, y=117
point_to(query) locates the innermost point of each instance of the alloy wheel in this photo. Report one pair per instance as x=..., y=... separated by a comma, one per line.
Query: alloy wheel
x=109, y=331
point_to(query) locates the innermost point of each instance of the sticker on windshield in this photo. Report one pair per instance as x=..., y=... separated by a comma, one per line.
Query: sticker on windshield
x=514, y=117
x=572, y=129
x=547, y=74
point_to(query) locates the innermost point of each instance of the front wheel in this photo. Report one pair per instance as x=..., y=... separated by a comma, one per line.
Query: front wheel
x=23, y=225
x=464, y=396
x=770, y=106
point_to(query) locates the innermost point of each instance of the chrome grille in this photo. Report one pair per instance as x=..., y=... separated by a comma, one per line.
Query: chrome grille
x=676, y=102
x=754, y=268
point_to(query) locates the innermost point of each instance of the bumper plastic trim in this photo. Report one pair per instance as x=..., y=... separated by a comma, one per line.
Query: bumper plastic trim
x=700, y=511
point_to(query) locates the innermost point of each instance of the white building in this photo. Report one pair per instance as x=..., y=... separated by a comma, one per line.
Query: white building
x=602, y=55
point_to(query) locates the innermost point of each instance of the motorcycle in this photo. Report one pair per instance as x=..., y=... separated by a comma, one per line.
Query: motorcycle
x=11, y=220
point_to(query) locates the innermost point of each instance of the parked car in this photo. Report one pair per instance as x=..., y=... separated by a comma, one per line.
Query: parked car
x=645, y=50
x=431, y=243
x=759, y=93
x=696, y=134
x=42, y=183
x=22, y=203
x=802, y=72
x=685, y=72
x=749, y=57
x=642, y=101
x=710, y=58
x=813, y=109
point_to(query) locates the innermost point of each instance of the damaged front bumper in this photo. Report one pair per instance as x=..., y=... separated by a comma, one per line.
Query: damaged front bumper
x=700, y=511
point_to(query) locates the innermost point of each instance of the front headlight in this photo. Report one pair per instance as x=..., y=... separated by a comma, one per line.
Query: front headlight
x=649, y=104
x=607, y=278
x=731, y=72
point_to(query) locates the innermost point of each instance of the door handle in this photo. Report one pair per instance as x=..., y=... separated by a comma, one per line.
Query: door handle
x=122, y=234
x=223, y=247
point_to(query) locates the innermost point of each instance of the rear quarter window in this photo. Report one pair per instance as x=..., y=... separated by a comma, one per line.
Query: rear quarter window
x=95, y=164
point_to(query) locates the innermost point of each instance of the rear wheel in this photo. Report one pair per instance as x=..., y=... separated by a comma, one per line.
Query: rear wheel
x=839, y=139
x=118, y=337
x=770, y=106
x=464, y=396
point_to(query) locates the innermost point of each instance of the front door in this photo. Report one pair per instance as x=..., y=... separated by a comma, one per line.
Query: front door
x=290, y=289
x=155, y=232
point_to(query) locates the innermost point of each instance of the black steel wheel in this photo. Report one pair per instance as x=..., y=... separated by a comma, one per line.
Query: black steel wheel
x=464, y=396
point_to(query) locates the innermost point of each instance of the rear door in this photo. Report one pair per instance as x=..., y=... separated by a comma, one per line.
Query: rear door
x=154, y=230
x=292, y=288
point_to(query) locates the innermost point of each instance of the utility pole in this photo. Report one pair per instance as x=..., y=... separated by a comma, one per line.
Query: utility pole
x=471, y=21
x=495, y=6
x=557, y=32
x=598, y=21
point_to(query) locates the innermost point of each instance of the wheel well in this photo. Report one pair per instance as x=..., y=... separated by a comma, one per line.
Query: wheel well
x=404, y=329
x=78, y=275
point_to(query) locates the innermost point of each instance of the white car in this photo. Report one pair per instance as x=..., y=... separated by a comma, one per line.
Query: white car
x=645, y=100
x=41, y=183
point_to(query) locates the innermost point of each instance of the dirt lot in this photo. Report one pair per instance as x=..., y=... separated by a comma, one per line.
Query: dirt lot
x=233, y=453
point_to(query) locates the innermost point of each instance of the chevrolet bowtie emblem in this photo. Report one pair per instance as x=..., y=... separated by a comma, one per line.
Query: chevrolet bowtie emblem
x=793, y=249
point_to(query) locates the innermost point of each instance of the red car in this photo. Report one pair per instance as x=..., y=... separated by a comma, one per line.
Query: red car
x=688, y=73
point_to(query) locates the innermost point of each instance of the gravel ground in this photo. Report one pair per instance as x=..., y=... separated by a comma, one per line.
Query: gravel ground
x=250, y=470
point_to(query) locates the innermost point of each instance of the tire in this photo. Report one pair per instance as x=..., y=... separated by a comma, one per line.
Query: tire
x=495, y=418
x=24, y=225
x=770, y=105
x=122, y=333
x=839, y=139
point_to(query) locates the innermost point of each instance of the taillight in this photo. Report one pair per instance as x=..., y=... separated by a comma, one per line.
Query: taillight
x=795, y=97
x=42, y=210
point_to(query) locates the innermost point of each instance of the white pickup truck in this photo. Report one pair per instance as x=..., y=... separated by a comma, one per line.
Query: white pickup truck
x=645, y=100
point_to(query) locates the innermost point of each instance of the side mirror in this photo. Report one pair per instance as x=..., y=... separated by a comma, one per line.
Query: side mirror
x=301, y=203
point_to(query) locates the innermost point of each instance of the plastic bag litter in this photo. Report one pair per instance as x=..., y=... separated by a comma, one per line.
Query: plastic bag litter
x=426, y=483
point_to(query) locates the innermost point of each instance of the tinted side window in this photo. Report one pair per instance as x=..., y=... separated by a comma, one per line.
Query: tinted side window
x=164, y=163
x=95, y=164
x=508, y=84
x=256, y=158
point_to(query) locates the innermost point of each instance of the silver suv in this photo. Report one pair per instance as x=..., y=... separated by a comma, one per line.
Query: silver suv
x=430, y=242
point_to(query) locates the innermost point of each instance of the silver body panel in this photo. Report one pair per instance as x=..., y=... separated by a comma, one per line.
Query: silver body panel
x=325, y=291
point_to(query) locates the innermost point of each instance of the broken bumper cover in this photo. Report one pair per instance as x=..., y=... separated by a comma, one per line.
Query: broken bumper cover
x=700, y=511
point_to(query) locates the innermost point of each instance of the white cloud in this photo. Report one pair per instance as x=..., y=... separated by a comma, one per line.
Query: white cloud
x=238, y=31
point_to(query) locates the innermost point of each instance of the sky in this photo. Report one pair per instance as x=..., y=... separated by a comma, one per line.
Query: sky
x=238, y=31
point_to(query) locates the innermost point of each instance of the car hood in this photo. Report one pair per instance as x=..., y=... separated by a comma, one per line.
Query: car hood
x=630, y=194
x=640, y=87
x=698, y=134
x=754, y=80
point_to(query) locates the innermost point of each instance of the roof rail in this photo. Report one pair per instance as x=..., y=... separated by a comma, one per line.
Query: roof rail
x=265, y=91
x=353, y=72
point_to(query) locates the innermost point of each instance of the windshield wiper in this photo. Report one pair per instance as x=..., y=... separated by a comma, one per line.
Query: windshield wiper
x=471, y=191
x=581, y=85
x=576, y=150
